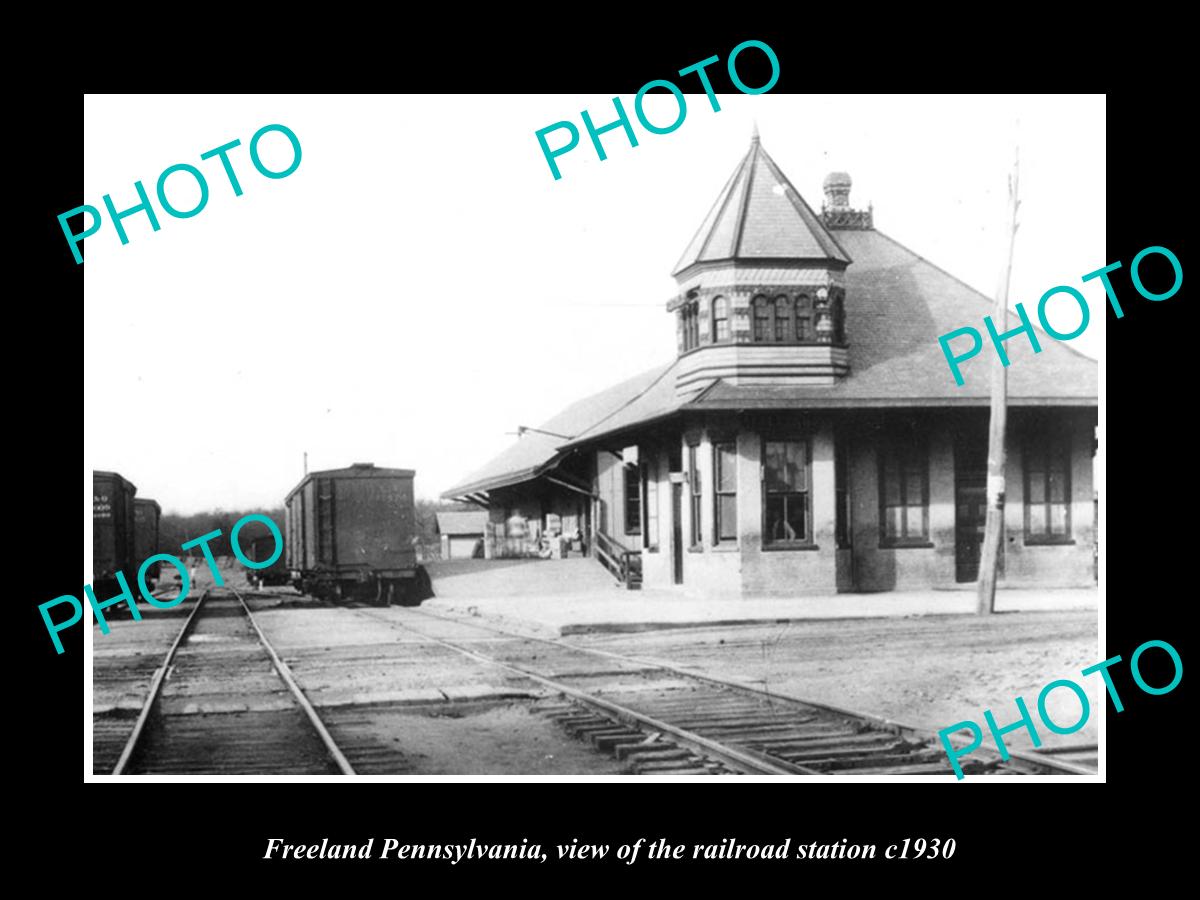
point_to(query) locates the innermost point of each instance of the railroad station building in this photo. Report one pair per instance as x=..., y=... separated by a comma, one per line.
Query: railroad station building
x=808, y=437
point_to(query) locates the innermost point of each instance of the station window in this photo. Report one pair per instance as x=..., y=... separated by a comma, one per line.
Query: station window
x=689, y=318
x=904, y=492
x=786, y=493
x=1047, y=488
x=650, y=504
x=720, y=320
x=725, y=492
x=783, y=319
x=762, y=319
x=803, y=318
x=633, y=499
x=795, y=320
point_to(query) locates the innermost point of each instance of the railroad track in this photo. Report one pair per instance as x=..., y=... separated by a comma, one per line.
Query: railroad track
x=666, y=719
x=223, y=702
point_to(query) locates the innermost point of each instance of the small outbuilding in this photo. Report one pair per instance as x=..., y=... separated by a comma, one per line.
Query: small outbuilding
x=462, y=533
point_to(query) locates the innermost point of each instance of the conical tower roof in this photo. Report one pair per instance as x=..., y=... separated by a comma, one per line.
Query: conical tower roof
x=760, y=216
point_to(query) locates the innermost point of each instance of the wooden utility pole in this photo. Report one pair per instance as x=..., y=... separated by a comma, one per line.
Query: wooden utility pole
x=993, y=531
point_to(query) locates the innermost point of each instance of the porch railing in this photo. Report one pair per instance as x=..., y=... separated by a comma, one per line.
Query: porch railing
x=624, y=564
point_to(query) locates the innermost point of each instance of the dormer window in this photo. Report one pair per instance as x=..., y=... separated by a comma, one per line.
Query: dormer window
x=762, y=319
x=803, y=318
x=783, y=319
x=690, y=316
x=720, y=320
x=798, y=319
x=760, y=290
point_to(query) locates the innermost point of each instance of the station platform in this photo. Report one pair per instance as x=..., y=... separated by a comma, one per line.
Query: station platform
x=577, y=596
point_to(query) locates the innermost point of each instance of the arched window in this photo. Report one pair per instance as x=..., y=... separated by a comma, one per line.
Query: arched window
x=720, y=320
x=783, y=318
x=803, y=318
x=762, y=319
x=689, y=321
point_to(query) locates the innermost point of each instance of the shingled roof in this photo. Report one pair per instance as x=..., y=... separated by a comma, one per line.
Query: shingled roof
x=536, y=452
x=897, y=304
x=759, y=216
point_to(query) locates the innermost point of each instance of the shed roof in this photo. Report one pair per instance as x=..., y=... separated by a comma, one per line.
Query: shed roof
x=535, y=452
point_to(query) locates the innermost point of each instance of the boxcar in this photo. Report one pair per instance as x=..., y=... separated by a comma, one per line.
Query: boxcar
x=350, y=535
x=146, y=513
x=112, y=533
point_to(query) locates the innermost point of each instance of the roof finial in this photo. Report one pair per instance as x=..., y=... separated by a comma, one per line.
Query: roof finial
x=754, y=133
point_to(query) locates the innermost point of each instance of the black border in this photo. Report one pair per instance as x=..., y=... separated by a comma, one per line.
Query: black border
x=1000, y=836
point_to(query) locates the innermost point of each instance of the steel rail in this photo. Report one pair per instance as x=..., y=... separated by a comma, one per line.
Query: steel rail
x=1029, y=759
x=751, y=761
x=285, y=674
x=155, y=687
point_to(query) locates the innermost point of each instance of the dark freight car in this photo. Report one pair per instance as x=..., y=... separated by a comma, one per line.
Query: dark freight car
x=112, y=532
x=261, y=549
x=146, y=514
x=350, y=535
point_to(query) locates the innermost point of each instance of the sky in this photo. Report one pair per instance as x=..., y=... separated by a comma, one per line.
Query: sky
x=421, y=285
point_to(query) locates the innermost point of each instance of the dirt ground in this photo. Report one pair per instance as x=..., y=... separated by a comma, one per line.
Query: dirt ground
x=483, y=739
x=929, y=672
x=399, y=705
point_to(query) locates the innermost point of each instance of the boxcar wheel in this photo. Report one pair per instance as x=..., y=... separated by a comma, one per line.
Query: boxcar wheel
x=423, y=586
